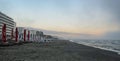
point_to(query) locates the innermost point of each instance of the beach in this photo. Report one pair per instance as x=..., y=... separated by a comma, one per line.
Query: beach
x=59, y=50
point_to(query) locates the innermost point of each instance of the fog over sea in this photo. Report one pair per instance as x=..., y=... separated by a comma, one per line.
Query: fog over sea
x=111, y=45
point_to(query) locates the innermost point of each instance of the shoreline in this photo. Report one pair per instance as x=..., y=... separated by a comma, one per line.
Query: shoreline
x=60, y=50
x=102, y=48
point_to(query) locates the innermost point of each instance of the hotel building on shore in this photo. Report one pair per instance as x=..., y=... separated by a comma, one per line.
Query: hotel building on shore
x=9, y=24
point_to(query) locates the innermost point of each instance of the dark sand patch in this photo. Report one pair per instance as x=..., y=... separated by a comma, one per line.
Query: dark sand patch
x=55, y=51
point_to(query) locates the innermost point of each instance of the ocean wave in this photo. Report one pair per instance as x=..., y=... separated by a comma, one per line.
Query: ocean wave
x=110, y=45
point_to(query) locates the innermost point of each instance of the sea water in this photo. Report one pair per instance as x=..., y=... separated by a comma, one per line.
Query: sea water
x=111, y=45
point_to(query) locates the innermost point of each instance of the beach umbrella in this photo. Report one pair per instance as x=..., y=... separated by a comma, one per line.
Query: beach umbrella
x=28, y=35
x=16, y=34
x=12, y=34
x=24, y=34
x=4, y=33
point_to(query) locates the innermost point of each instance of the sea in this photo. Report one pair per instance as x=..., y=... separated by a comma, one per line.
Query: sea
x=111, y=45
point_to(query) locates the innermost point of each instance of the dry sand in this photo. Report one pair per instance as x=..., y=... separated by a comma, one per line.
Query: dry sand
x=55, y=51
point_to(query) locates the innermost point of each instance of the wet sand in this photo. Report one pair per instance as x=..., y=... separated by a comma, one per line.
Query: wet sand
x=55, y=51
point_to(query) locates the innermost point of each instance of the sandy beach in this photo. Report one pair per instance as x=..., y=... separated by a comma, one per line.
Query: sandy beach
x=61, y=50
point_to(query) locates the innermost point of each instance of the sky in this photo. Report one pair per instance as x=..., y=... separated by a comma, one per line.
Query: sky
x=88, y=17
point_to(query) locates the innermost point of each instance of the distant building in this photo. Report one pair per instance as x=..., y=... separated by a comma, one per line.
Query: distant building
x=10, y=24
x=49, y=38
x=20, y=33
x=34, y=35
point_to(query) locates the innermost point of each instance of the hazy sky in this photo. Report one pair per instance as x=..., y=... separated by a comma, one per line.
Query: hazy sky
x=75, y=16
